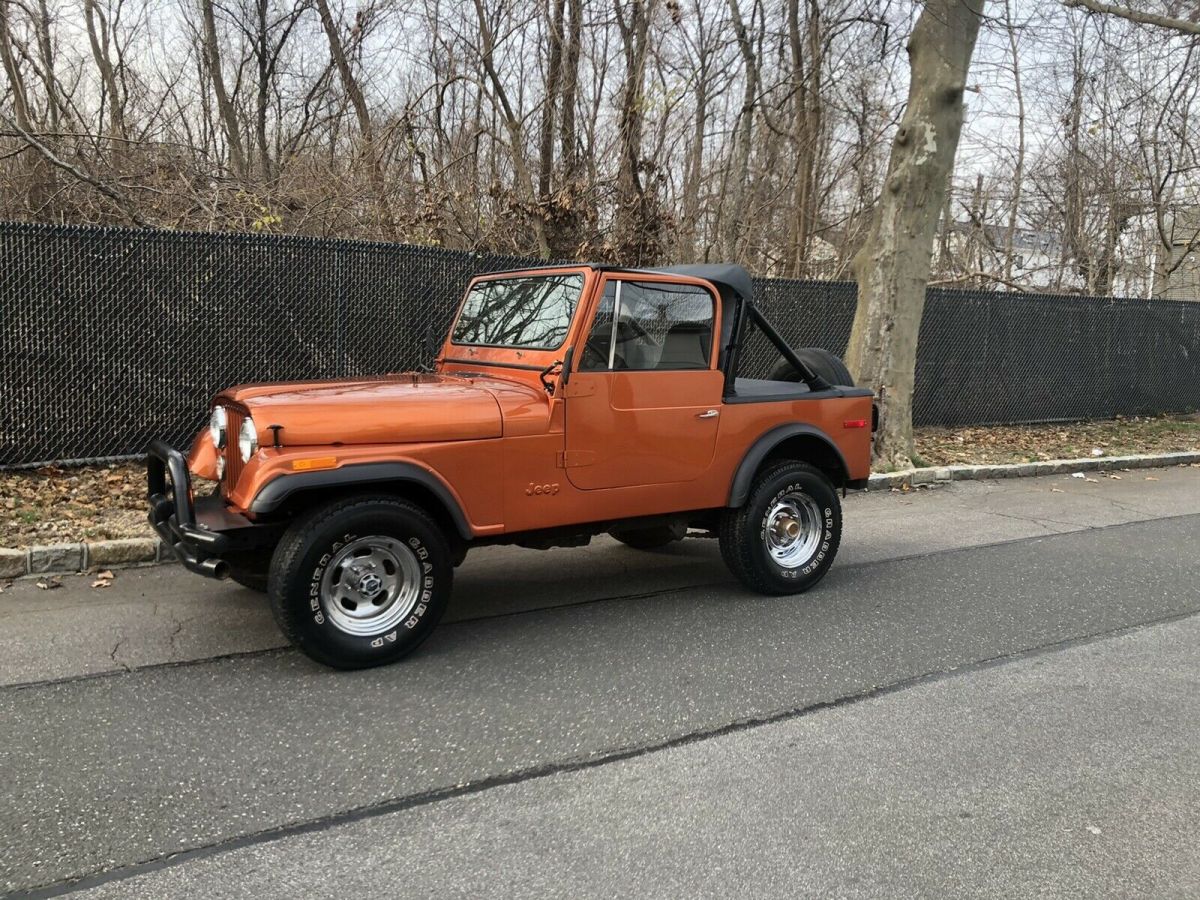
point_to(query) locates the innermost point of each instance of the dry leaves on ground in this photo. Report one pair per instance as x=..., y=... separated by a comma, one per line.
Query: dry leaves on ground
x=1002, y=444
x=80, y=503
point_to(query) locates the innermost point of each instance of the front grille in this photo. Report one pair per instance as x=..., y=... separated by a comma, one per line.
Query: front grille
x=233, y=456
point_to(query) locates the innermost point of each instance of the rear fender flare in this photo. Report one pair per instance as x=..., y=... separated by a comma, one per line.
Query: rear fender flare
x=275, y=492
x=739, y=489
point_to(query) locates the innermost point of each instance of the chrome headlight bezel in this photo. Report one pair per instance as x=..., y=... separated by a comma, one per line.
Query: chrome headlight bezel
x=218, y=427
x=247, y=439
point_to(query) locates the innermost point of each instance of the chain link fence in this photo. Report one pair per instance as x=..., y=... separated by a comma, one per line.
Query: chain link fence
x=112, y=337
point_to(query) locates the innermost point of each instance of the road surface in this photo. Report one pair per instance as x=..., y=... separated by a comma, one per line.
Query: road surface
x=994, y=692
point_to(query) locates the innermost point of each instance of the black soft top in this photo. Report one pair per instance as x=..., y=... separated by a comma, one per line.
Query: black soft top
x=733, y=283
x=737, y=304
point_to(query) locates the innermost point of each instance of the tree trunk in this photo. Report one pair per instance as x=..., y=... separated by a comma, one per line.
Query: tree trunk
x=225, y=108
x=354, y=91
x=892, y=267
x=98, y=31
x=549, y=106
x=733, y=223
x=1019, y=170
x=806, y=130
x=635, y=239
x=512, y=124
x=568, y=142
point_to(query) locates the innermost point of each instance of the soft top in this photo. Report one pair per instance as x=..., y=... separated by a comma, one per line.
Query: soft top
x=735, y=286
x=726, y=277
x=733, y=283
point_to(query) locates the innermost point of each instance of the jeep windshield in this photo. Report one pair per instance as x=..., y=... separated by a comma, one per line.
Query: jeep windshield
x=528, y=312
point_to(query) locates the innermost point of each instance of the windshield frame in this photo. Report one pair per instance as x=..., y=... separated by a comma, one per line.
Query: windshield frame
x=523, y=275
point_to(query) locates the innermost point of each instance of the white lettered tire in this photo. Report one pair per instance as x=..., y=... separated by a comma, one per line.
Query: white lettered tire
x=361, y=582
x=784, y=538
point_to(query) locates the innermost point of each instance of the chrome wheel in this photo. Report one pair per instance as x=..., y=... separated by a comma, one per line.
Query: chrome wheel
x=793, y=529
x=371, y=585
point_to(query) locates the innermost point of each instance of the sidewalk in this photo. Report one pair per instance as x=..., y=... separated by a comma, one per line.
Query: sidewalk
x=164, y=614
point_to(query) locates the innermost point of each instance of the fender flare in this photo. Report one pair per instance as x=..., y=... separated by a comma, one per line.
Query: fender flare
x=739, y=489
x=273, y=494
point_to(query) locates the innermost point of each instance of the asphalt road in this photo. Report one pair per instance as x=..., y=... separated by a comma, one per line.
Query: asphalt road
x=602, y=722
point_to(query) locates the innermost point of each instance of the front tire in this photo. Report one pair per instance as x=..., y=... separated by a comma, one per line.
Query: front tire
x=784, y=538
x=361, y=582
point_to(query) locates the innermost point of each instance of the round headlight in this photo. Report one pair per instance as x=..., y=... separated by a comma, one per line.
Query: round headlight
x=247, y=439
x=216, y=427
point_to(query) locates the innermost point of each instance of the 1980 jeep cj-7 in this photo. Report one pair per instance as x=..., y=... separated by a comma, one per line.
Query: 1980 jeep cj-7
x=566, y=402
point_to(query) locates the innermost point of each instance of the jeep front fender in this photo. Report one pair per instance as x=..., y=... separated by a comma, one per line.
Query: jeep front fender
x=272, y=496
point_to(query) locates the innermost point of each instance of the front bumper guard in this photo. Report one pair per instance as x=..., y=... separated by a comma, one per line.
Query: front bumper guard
x=201, y=533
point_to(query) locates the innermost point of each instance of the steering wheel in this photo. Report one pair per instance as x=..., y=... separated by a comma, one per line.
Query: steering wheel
x=638, y=331
x=595, y=357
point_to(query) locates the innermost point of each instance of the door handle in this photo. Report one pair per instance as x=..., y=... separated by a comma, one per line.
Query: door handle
x=711, y=414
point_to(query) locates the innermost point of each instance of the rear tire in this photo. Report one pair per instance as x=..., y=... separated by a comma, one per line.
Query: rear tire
x=828, y=365
x=652, y=538
x=361, y=582
x=784, y=538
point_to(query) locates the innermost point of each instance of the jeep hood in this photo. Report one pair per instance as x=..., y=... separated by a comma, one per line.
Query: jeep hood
x=410, y=408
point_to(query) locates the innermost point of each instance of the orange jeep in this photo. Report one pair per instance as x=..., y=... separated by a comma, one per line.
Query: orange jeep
x=566, y=402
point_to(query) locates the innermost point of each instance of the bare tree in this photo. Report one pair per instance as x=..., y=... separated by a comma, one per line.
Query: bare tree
x=892, y=267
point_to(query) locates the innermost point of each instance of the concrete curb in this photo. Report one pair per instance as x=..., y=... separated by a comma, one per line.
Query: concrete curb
x=943, y=474
x=59, y=559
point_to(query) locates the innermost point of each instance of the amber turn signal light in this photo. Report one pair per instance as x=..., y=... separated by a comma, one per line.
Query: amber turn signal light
x=317, y=462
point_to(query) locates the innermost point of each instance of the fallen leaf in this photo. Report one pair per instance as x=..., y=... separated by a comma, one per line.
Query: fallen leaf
x=1096, y=451
x=1151, y=478
x=1078, y=475
x=1114, y=477
x=1093, y=480
x=1057, y=491
x=101, y=583
x=106, y=574
x=48, y=584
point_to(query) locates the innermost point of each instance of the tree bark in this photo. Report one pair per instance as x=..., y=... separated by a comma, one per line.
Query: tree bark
x=1019, y=169
x=550, y=104
x=365, y=128
x=733, y=224
x=512, y=124
x=892, y=267
x=1183, y=26
x=225, y=108
x=806, y=129
x=97, y=29
x=632, y=237
x=568, y=142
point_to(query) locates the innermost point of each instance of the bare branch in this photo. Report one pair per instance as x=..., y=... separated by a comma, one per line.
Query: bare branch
x=1183, y=26
x=74, y=171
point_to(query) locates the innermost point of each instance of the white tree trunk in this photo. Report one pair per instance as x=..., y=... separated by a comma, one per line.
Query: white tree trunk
x=892, y=267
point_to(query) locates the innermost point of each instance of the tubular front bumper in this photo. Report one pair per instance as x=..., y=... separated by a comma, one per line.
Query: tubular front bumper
x=201, y=533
